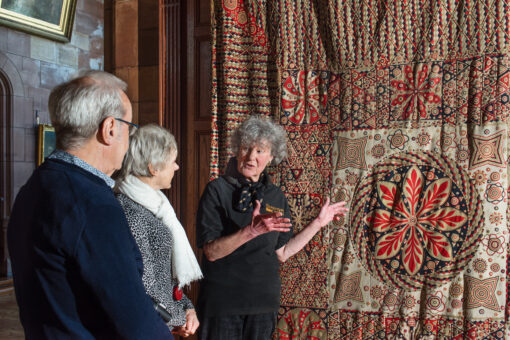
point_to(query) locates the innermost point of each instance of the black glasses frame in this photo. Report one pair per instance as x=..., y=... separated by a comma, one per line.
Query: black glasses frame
x=129, y=123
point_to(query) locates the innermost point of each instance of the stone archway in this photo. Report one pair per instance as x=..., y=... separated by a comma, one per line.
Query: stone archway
x=11, y=85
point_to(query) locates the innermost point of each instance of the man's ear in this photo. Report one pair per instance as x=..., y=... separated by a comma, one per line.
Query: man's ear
x=107, y=132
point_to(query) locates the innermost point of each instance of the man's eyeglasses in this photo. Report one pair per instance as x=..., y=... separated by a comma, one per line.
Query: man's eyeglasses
x=132, y=126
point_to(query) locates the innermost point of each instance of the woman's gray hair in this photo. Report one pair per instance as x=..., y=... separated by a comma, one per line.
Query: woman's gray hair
x=78, y=107
x=257, y=129
x=149, y=144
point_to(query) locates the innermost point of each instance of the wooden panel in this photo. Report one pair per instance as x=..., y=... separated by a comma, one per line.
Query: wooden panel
x=202, y=31
x=203, y=77
x=204, y=156
x=185, y=101
x=203, y=13
x=199, y=178
x=197, y=111
x=170, y=83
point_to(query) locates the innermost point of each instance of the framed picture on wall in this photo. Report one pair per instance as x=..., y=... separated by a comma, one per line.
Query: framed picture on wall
x=46, y=142
x=51, y=19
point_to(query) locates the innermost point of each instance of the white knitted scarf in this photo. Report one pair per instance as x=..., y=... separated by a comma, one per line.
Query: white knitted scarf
x=185, y=267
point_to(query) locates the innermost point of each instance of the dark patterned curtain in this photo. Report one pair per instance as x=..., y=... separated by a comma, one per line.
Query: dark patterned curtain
x=399, y=108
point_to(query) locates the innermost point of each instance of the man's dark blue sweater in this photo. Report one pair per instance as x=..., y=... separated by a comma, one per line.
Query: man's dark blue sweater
x=77, y=270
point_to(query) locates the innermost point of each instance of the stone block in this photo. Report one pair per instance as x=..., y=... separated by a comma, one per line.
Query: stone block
x=85, y=23
x=18, y=144
x=80, y=40
x=30, y=78
x=43, y=49
x=68, y=55
x=123, y=73
x=130, y=76
x=30, y=145
x=148, y=112
x=17, y=60
x=31, y=73
x=3, y=38
x=97, y=44
x=96, y=63
x=126, y=34
x=21, y=173
x=3, y=59
x=22, y=112
x=80, y=4
x=40, y=97
x=18, y=43
x=94, y=8
x=134, y=84
x=52, y=74
x=83, y=60
x=32, y=65
x=148, y=83
x=12, y=72
x=89, y=62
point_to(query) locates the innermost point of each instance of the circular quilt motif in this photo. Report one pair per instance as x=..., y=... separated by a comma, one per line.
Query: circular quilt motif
x=230, y=5
x=416, y=220
x=301, y=323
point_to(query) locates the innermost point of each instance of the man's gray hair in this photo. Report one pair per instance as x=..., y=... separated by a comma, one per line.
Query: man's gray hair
x=78, y=107
x=149, y=144
x=255, y=130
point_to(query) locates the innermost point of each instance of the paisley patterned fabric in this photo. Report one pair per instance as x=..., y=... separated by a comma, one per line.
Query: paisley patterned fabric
x=401, y=109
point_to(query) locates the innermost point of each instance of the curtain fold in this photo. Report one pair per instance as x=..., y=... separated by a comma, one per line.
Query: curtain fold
x=399, y=108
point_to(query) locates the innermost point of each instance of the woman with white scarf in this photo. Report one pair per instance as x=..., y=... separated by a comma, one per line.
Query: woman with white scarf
x=169, y=262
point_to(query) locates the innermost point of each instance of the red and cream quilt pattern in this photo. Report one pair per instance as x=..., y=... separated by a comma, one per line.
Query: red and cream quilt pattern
x=401, y=109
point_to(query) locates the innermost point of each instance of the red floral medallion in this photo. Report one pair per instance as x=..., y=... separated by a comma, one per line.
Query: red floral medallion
x=301, y=323
x=302, y=98
x=418, y=88
x=416, y=220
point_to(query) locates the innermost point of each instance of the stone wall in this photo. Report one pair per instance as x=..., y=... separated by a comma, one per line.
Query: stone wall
x=33, y=66
x=42, y=64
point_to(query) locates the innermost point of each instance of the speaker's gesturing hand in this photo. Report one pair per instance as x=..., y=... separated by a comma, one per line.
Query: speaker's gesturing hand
x=265, y=223
x=330, y=212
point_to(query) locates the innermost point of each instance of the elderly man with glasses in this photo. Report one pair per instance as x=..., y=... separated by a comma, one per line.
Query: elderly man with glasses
x=77, y=270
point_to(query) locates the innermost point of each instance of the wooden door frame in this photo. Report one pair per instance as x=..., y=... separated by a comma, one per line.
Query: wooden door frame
x=184, y=103
x=170, y=83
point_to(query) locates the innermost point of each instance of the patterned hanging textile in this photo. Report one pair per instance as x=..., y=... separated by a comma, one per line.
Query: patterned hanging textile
x=401, y=109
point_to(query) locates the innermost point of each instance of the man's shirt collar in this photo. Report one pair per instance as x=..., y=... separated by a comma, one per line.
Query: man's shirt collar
x=72, y=159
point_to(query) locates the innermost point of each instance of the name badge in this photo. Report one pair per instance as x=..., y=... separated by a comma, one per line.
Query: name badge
x=271, y=209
